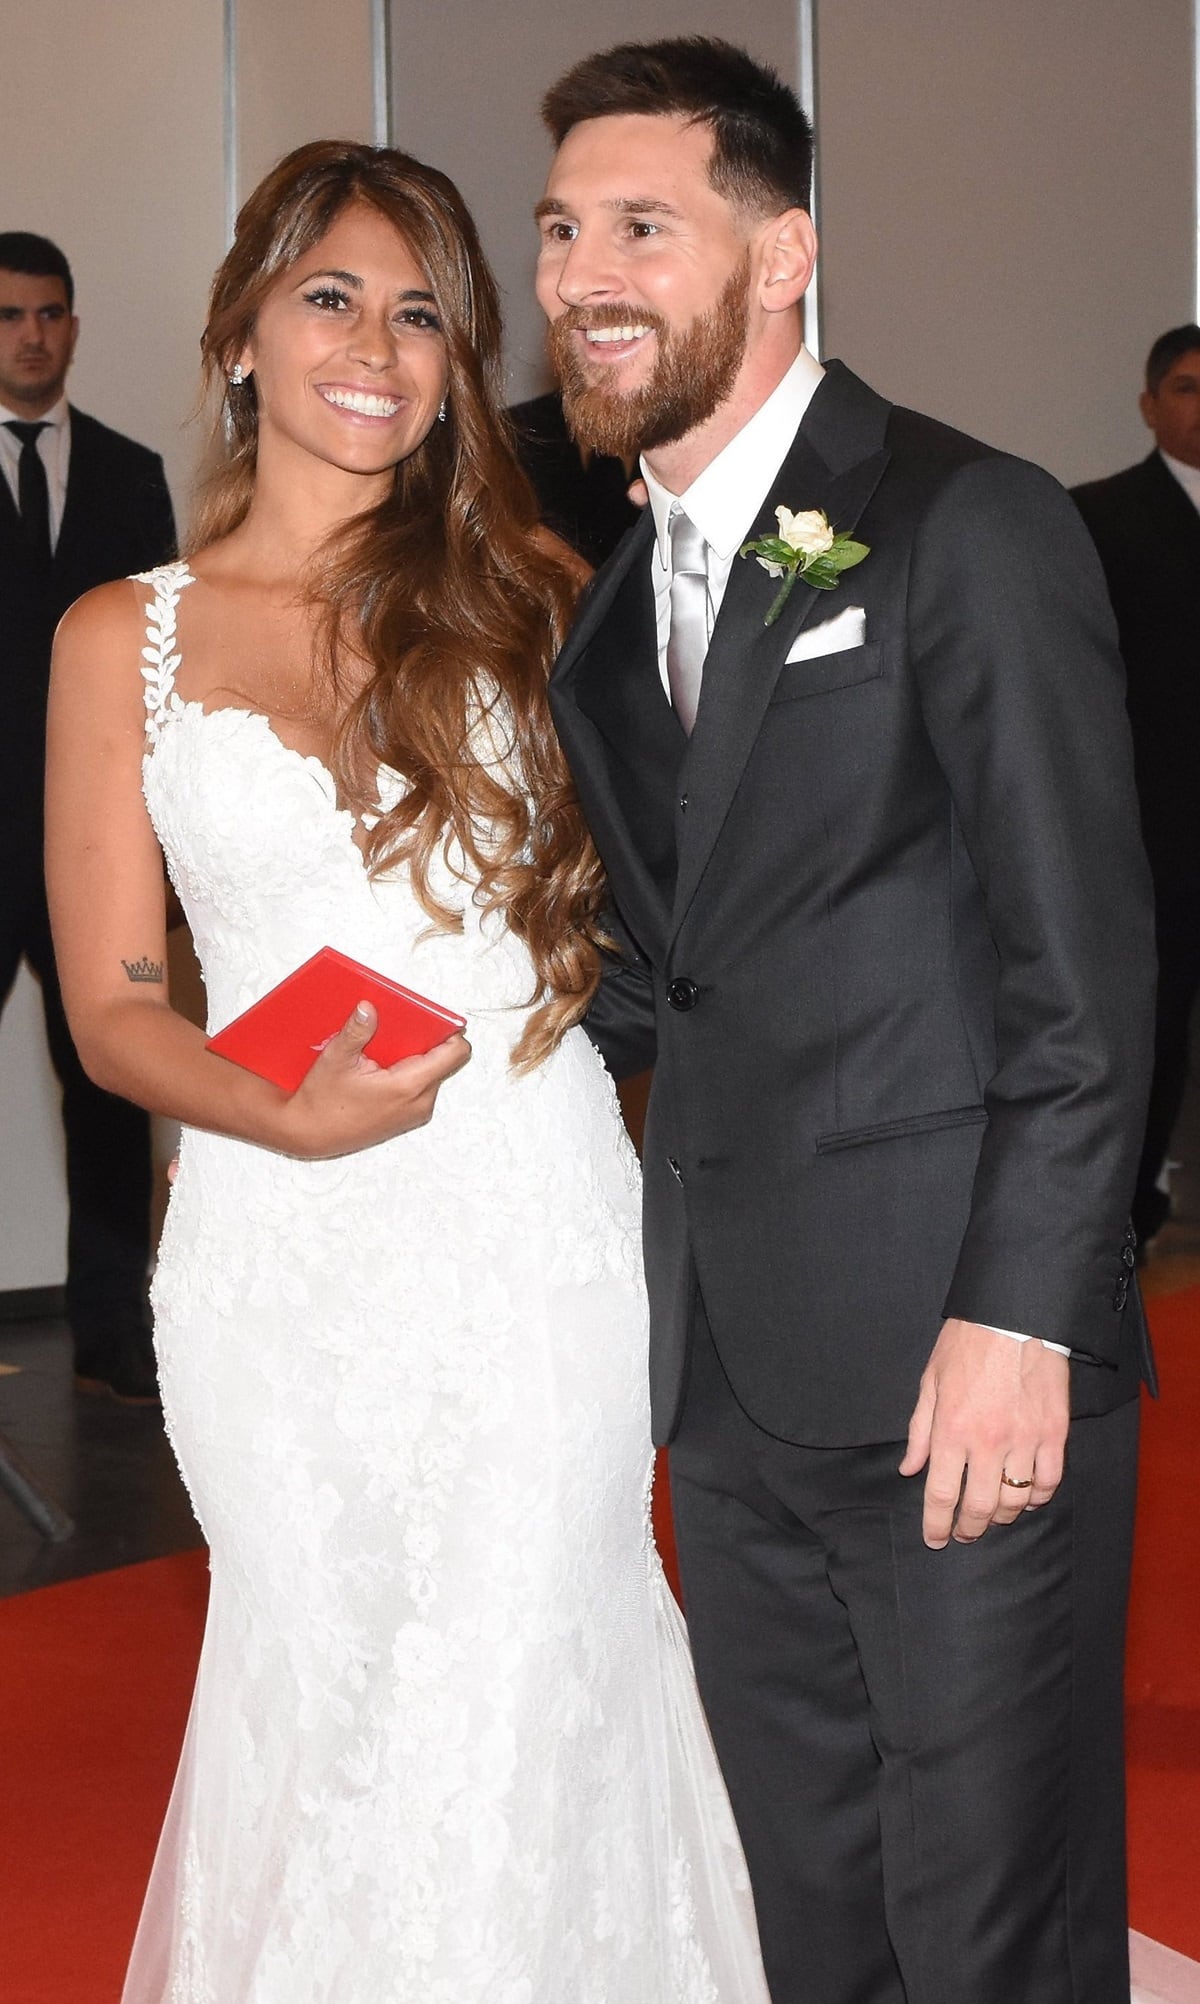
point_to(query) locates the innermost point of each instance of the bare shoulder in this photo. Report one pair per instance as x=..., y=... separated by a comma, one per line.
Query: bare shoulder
x=97, y=657
x=109, y=617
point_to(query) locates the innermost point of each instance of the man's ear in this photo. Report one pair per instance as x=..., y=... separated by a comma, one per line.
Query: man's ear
x=1146, y=407
x=787, y=254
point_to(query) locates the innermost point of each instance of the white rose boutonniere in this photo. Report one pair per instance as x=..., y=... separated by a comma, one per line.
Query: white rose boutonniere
x=806, y=547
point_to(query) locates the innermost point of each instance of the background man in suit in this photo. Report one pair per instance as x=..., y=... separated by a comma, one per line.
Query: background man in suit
x=1146, y=526
x=584, y=495
x=890, y=945
x=79, y=504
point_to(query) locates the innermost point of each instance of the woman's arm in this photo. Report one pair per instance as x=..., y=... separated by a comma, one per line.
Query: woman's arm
x=105, y=882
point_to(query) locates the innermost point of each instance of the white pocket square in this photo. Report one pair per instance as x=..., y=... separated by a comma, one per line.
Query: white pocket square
x=847, y=628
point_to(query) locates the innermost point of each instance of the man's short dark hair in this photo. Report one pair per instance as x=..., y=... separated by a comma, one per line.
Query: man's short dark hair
x=36, y=257
x=762, y=140
x=1167, y=350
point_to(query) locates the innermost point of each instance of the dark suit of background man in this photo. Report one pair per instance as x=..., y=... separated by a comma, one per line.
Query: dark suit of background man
x=79, y=504
x=1146, y=526
x=891, y=948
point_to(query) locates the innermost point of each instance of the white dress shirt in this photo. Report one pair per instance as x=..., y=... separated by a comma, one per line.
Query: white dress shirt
x=1187, y=476
x=54, y=451
x=723, y=501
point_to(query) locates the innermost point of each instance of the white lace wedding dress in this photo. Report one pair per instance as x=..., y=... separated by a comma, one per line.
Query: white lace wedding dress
x=445, y=1747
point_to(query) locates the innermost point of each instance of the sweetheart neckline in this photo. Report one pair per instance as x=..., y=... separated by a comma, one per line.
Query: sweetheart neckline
x=317, y=767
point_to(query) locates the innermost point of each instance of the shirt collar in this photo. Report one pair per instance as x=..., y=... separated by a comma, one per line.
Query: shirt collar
x=1187, y=476
x=723, y=499
x=56, y=415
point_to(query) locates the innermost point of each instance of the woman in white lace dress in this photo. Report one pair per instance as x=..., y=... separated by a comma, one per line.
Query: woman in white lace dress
x=445, y=1747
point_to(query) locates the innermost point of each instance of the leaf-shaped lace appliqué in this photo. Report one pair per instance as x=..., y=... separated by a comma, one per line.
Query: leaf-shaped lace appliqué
x=160, y=656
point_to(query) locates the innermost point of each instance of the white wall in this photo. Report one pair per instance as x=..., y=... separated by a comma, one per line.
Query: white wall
x=1008, y=211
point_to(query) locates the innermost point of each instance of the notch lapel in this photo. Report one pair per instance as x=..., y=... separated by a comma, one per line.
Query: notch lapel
x=835, y=464
x=602, y=714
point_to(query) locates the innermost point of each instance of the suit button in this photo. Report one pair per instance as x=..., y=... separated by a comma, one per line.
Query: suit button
x=1130, y=1236
x=683, y=799
x=1122, y=1293
x=676, y=1171
x=1128, y=1256
x=682, y=993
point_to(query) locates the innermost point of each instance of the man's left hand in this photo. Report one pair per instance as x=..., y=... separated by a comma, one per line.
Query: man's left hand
x=988, y=1407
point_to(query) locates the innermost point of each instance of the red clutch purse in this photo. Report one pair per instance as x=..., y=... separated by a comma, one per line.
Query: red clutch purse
x=281, y=1036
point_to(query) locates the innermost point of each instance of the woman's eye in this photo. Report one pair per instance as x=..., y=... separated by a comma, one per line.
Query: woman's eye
x=328, y=297
x=422, y=317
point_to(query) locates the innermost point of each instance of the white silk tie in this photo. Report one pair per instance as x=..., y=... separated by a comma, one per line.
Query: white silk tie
x=687, y=637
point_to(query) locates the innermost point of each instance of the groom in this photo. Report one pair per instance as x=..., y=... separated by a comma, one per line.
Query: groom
x=889, y=947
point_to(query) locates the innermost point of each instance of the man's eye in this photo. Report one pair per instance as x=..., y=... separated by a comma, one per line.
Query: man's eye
x=53, y=313
x=560, y=233
x=328, y=298
x=640, y=229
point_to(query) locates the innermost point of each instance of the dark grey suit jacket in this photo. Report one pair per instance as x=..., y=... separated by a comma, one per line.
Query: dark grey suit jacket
x=117, y=519
x=1148, y=535
x=890, y=937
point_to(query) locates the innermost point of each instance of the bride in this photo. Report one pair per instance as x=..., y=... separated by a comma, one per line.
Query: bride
x=445, y=1744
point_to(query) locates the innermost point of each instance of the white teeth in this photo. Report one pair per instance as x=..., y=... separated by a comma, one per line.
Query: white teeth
x=631, y=333
x=362, y=402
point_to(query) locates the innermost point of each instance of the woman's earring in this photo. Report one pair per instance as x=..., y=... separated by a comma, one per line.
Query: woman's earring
x=238, y=377
x=442, y=412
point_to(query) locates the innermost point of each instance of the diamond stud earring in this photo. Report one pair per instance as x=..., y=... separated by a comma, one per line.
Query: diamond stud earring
x=238, y=377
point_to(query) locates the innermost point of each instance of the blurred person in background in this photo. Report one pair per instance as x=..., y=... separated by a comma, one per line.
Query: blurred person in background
x=1145, y=522
x=79, y=504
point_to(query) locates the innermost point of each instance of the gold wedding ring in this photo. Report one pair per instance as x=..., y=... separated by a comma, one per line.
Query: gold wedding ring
x=1011, y=1482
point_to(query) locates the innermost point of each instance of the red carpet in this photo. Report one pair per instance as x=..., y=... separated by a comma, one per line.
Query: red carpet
x=95, y=1680
x=1164, y=1643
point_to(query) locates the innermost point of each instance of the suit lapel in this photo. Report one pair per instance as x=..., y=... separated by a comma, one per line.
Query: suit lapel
x=835, y=464
x=606, y=709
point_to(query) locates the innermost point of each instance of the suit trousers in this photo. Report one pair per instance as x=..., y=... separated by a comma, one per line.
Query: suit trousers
x=924, y=1750
x=109, y=1166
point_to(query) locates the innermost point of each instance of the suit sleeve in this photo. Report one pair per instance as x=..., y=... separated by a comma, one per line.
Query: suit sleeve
x=620, y=1019
x=1022, y=693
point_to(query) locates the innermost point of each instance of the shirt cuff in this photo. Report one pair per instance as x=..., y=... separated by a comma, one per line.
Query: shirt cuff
x=1059, y=1349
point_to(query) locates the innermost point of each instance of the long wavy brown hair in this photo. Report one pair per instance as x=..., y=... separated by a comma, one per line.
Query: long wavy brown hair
x=447, y=592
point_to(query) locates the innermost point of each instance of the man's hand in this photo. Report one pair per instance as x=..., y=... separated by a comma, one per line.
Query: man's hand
x=988, y=1407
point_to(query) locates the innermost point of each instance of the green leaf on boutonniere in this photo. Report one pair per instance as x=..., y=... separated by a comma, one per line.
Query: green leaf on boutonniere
x=806, y=547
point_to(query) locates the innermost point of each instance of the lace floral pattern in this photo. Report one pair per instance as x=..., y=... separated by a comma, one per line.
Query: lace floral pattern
x=445, y=1747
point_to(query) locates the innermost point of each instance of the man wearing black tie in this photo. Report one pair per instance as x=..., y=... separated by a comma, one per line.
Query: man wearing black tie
x=79, y=504
x=875, y=854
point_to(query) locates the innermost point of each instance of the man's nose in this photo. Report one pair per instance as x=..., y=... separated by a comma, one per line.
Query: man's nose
x=32, y=330
x=589, y=272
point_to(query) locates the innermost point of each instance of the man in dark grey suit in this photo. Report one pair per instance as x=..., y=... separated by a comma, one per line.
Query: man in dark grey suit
x=1146, y=526
x=79, y=504
x=889, y=945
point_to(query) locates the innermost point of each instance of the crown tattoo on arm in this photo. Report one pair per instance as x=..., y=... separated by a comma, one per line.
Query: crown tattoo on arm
x=143, y=969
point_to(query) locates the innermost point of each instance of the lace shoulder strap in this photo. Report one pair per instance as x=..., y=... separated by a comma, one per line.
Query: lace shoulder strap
x=160, y=657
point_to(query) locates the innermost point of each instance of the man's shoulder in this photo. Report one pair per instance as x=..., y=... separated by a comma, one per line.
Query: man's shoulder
x=89, y=435
x=1115, y=488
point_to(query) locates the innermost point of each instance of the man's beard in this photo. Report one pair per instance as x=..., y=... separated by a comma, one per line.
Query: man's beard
x=692, y=376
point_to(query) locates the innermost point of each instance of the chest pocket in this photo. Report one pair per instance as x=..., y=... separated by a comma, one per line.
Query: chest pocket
x=824, y=672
